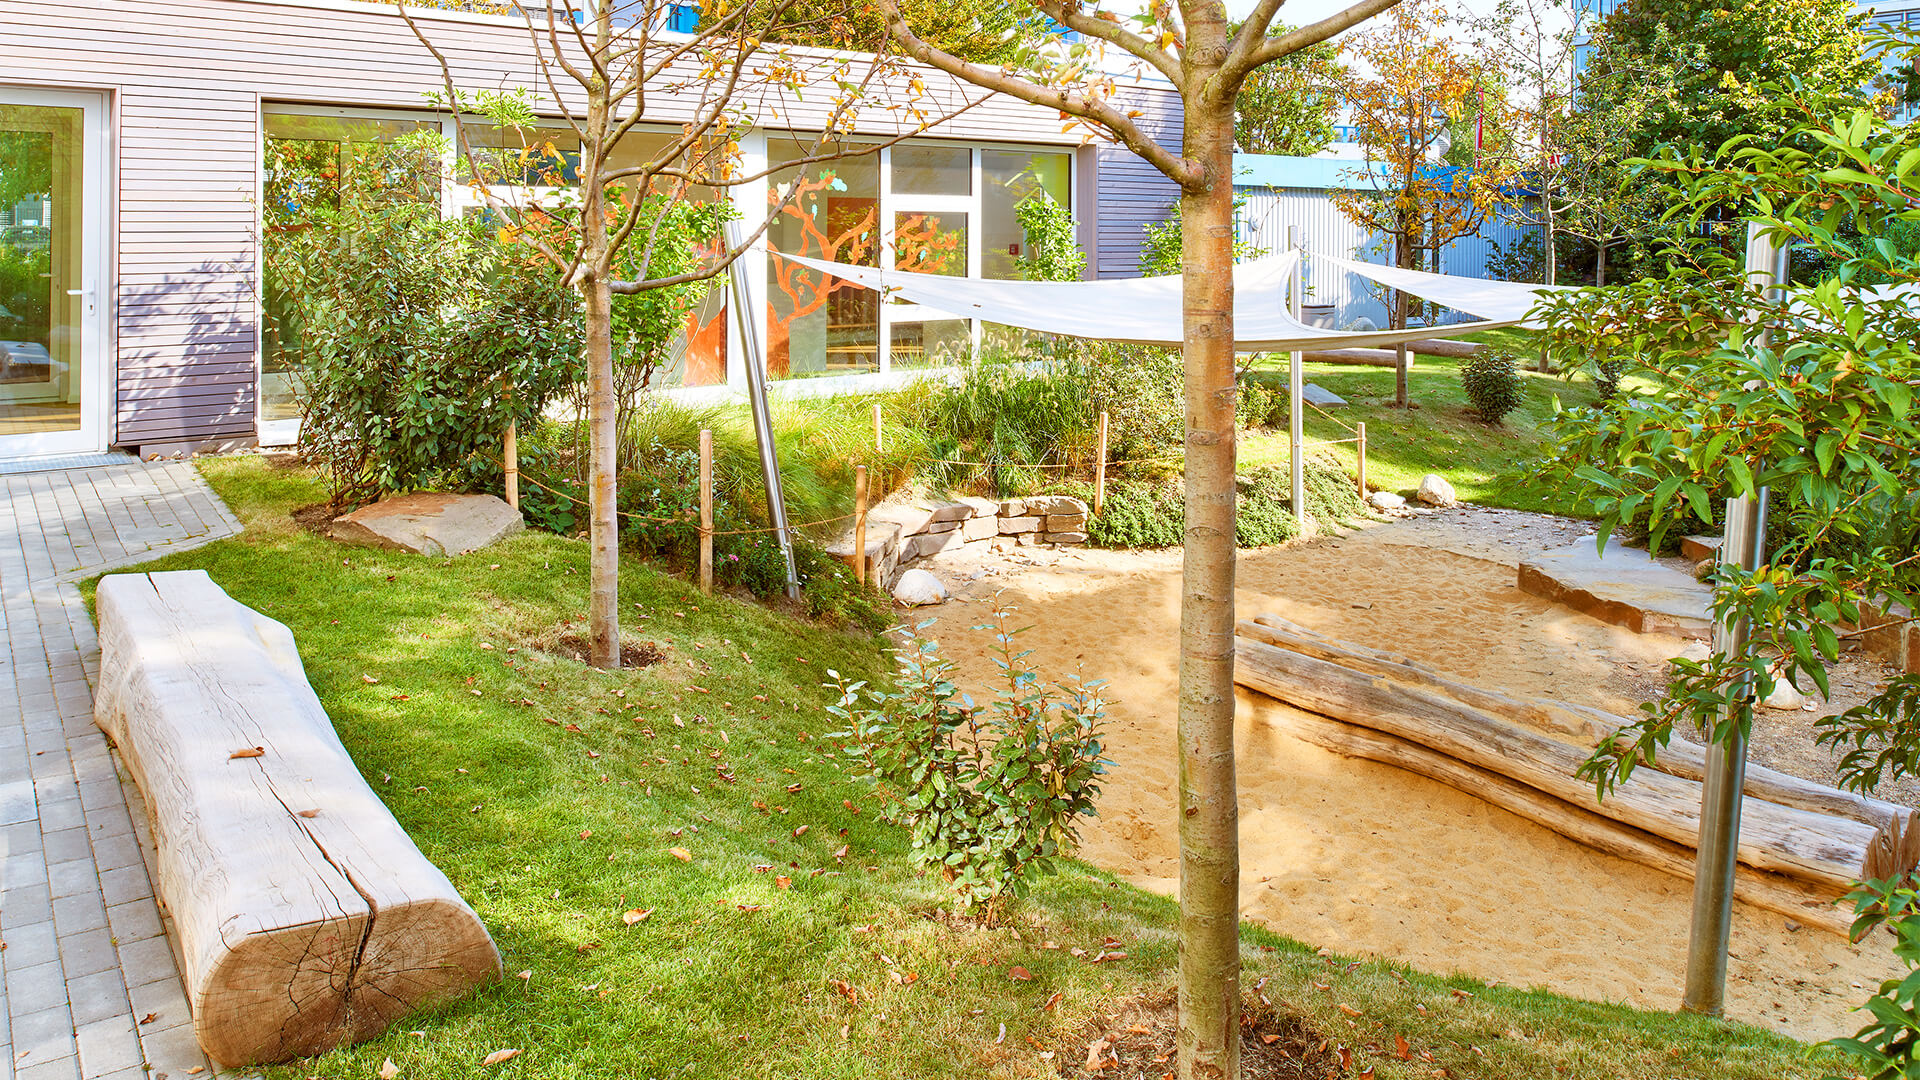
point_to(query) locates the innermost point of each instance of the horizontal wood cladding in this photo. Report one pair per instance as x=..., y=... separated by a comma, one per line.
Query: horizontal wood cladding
x=1133, y=193
x=188, y=77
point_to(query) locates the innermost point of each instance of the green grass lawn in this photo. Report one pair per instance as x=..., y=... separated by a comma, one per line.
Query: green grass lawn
x=796, y=941
x=1485, y=463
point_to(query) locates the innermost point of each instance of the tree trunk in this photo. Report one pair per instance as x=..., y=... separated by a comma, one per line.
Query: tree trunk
x=1397, y=319
x=596, y=273
x=1600, y=262
x=1209, y=994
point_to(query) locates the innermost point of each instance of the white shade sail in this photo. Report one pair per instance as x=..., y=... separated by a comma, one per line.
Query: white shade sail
x=1146, y=311
x=1504, y=302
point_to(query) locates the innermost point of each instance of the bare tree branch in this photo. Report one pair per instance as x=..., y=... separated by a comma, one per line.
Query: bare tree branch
x=1085, y=106
x=1073, y=18
x=1248, y=53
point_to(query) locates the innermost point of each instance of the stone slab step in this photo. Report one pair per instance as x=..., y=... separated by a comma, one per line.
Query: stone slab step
x=1624, y=586
x=1321, y=396
x=1697, y=548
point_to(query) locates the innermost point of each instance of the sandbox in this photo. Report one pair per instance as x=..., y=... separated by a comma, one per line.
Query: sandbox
x=1366, y=858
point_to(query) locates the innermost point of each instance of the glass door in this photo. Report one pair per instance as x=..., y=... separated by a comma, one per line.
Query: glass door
x=51, y=383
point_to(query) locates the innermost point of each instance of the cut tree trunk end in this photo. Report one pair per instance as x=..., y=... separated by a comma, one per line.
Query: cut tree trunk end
x=1209, y=979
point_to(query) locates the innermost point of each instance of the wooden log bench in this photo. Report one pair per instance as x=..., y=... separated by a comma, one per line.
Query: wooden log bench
x=306, y=917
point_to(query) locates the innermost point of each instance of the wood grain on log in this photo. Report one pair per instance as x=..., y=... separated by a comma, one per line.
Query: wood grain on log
x=1681, y=757
x=307, y=918
x=1827, y=851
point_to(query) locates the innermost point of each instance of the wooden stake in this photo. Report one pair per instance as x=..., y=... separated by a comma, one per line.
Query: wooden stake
x=511, y=453
x=860, y=523
x=1100, y=466
x=879, y=444
x=706, y=510
x=1363, y=459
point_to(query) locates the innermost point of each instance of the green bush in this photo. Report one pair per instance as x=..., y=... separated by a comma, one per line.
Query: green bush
x=1152, y=513
x=1023, y=422
x=1491, y=378
x=988, y=795
x=1141, y=390
x=1053, y=249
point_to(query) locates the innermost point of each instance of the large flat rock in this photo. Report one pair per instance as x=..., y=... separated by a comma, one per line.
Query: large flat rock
x=1624, y=586
x=430, y=523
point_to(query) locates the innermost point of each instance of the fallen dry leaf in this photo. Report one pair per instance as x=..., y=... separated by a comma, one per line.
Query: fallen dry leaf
x=1051, y=1001
x=783, y=882
x=369, y=680
x=1097, y=1056
x=1269, y=1040
x=801, y=831
x=1018, y=973
x=637, y=915
x=308, y=813
x=1400, y=1048
x=1350, y=1010
x=388, y=1070
x=681, y=853
x=251, y=751
x=585, y=833
x=499, y=1056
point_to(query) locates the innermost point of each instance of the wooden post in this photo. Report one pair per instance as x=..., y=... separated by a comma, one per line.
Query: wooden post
x=1362, y=426
x=510, y=452
x=860, y=524
x=706, y=510
x=1100, y=466
x=879, y=444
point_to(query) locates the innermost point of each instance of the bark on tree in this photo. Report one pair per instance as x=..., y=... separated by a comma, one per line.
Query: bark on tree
x=594, y=280
x=1209, y=987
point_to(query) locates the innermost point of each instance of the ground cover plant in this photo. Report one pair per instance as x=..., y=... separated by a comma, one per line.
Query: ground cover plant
x=555, y=795
x=1442, y=434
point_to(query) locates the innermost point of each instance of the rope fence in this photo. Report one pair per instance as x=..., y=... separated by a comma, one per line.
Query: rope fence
x=702, y=518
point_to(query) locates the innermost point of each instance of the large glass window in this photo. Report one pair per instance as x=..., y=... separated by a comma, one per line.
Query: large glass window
x=1008, y=178
x=932, y=170
x=41, y=256
x=818, y=324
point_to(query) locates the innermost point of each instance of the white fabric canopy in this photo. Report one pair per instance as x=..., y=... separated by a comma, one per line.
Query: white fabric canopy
x=1146, y=311
x=1502, y=302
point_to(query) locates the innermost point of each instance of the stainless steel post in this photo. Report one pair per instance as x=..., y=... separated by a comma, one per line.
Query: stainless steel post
x=1742, y=544
x=756, y=363
x=1297, y=390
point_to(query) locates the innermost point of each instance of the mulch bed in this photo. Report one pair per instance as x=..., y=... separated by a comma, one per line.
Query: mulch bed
x=1136, y=1042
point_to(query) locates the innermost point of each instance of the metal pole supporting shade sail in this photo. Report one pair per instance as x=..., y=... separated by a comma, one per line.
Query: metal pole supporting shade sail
x=756, y=361
x=1743, y=545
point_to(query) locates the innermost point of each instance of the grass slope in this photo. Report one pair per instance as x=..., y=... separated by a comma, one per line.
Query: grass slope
x=1485, y=463
x=553, y=796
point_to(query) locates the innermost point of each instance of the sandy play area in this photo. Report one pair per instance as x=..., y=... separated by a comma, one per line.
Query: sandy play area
x=1366, y=858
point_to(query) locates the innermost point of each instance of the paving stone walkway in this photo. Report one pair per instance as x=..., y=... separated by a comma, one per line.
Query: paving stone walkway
x=89, y=982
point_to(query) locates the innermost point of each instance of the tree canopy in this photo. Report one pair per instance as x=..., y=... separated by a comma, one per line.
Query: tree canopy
x=1722, y=55
x=1287, y=107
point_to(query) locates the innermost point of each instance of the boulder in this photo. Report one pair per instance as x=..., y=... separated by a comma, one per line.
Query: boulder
x=917, y=588
x=1386, y=500
x=430, y=523
x=1784, y=696
x=1435, y=491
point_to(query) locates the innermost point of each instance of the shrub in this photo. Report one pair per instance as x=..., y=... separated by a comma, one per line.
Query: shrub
x=989, y=795
x=1152, y=513
x=1141, y=389
x=419, y=339
x=1021, y=421
x=1492, y=381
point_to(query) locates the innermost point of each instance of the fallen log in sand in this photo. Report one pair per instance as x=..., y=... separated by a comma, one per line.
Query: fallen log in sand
x=1681, y=757
x=1771, y=891
x=1823, y=850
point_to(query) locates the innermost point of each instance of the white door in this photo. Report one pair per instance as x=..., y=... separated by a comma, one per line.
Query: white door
x=53, y=385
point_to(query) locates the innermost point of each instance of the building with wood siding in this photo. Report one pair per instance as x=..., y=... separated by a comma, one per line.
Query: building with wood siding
x=153, y=117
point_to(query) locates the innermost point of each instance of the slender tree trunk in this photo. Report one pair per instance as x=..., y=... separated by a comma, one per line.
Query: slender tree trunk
x=1600, y=262
x=1209, y=996
x=1397, y=319
x=596, y=272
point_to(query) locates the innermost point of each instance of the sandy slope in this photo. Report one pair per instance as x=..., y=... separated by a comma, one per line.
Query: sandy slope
x=1367, y=858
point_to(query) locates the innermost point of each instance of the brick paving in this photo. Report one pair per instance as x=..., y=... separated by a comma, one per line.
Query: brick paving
x=89, y=981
